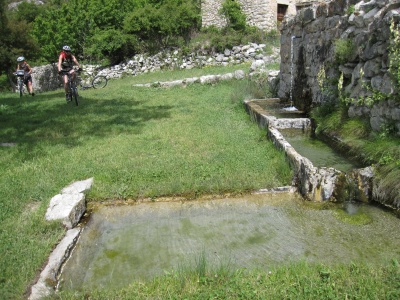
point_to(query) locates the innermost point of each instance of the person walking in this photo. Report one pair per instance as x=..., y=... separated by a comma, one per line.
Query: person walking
x=24, y=66
x=66, y=61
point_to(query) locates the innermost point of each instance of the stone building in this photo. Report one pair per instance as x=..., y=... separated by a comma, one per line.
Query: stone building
x=264, y=14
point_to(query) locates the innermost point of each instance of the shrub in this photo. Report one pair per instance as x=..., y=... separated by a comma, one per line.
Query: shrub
x=343, y=50
x=232, y=11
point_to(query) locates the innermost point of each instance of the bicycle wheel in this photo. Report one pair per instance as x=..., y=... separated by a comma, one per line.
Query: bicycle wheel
x=75, y=95
x=99, y=81
x=21, y=88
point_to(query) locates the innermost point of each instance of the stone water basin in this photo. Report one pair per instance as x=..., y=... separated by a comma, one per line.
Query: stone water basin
x=317, y=151
x=121, y=244
x=274, y=107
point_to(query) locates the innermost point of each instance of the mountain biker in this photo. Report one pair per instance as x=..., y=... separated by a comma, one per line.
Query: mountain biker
x=23, y=65
x=66, y=61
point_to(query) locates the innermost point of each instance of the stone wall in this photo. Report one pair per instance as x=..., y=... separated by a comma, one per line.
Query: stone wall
x=45, y=78
x=259, y=13
x=308, y=52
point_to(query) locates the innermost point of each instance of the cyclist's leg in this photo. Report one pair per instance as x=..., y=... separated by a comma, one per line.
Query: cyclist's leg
x=74, y=89
x=66, y=87
x=20, y=86
x=29, y=86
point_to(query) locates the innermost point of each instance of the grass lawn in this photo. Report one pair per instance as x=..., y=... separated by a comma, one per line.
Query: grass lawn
x=146, y=143
x=135, y=142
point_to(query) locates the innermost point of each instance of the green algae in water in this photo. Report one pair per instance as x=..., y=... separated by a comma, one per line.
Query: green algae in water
x=130, y=243
x=317, y=151
x=357, y=218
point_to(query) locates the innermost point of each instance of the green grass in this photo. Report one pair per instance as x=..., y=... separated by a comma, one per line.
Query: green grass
x=135, y=142
x=380, y=149
x=145, y=142
x=295, y=281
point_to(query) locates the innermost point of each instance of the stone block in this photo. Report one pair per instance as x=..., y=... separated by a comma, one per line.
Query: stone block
x=78, y=187
x=46, y=284
x=67, y=208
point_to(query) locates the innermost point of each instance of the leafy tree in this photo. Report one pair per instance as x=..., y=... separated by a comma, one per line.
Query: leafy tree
x=14, y=40
x=161, y=23
x=76, y=22
x=112, y=44
x=26, y=11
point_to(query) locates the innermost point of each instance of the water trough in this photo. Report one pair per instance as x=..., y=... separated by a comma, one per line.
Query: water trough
x=248, y=235
x=315, y=183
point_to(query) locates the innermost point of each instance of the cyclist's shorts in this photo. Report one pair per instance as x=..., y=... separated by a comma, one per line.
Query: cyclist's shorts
x=28, y=79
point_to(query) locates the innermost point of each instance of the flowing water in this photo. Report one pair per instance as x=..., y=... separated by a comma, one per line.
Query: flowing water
x=121, y=244
x=279, y=110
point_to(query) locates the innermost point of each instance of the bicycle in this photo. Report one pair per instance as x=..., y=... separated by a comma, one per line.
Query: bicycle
x=98, y=82
x=20, y=81
x=72, y=87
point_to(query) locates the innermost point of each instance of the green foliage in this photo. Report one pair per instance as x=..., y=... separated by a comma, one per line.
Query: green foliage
x=220, y=39
x=355, y=128
x=110, y=44
x=350, y=10
x=329, y=116
x=162, y=25
x=26, y=11
x=232, y=11
x=98, y=30
x=14, y=40
x=394, y=54
x=386, y=183
x=343, y=50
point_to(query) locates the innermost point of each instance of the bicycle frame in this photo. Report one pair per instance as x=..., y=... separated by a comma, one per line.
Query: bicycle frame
x=72, y=87
x=20, y=81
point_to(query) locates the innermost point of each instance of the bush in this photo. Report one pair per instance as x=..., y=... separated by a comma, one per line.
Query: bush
x=232, y=11
x=343, y=50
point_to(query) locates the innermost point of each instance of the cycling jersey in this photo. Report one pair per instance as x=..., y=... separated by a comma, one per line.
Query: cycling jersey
x=24, y=66
x=67, y=61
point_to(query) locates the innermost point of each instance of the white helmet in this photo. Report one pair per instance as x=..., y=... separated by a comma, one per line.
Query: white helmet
x=66, y=48
x=21, y=58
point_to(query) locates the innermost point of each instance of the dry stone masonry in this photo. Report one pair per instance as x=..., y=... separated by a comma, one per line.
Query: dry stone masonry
x=45, y=78
x=264, y=14
x=308, y=54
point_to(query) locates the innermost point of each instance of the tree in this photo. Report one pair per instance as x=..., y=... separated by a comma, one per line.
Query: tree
x=14, y=40
x=162, y=23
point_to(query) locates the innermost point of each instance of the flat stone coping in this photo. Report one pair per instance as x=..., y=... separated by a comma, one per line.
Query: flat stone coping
x=47, y=282
x=67, y=207
x=206, y=79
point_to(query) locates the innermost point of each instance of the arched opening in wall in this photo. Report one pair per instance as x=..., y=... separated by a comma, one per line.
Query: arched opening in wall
x=281, y=12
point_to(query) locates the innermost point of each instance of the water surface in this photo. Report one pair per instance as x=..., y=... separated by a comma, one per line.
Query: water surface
x=317, y=151
x=125, y=243
x=276, y=108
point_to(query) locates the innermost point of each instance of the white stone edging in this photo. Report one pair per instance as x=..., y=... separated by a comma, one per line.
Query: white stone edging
x=67, y=207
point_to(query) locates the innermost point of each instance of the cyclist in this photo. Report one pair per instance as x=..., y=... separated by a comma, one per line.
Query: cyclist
x=66, y=61
x=23, y=65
